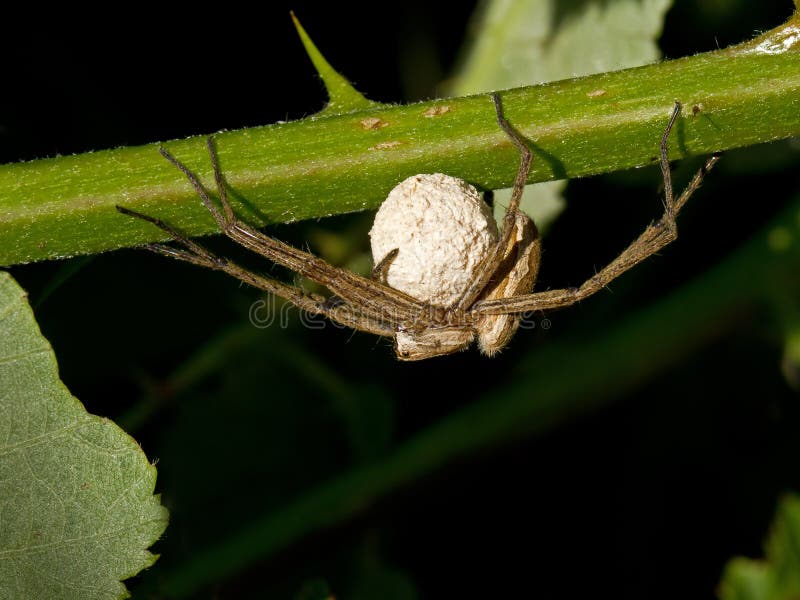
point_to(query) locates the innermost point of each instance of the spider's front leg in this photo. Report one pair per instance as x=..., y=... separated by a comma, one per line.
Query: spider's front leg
x=653, y=239
x=499, y=254
x=511, y=268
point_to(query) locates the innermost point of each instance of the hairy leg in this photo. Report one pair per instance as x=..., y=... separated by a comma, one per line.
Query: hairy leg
x=348, y=286
x=195, y=254
x=653, y=239
x=489, y=267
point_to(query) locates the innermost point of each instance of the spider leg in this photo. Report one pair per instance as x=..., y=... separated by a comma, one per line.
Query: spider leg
x=195, y=254
x=349, y=286
x=496, y=256
x=332, y=308
x=380, y=272
x=194, y=248
x=653, y=239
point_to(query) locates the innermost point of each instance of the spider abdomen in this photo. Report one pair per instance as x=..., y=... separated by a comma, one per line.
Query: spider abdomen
x=442, y=229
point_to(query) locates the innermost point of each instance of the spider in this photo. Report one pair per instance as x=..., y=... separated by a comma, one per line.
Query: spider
x=489, y=307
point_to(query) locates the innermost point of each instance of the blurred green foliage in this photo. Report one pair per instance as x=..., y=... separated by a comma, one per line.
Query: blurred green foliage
x=777, y=577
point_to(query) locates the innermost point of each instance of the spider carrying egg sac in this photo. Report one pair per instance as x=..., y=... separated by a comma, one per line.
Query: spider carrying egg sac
x=442, y=230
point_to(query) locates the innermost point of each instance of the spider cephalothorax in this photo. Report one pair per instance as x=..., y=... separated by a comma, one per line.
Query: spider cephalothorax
x=486, y=294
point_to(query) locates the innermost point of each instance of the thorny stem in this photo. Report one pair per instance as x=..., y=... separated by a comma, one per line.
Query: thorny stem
x=333, y=164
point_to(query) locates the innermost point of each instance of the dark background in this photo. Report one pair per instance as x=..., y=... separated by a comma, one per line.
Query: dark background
x=648, y=497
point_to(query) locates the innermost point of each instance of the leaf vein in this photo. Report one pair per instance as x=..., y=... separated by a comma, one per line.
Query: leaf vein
x=35, y=441
x=14, y=357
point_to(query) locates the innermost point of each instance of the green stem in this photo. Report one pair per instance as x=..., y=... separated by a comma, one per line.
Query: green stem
x=609, y=362
x=334, y=164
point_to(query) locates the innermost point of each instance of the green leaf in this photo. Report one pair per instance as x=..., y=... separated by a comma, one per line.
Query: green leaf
x=746, y=580
x=534, y=41
x=77, y=510
x=778, y=576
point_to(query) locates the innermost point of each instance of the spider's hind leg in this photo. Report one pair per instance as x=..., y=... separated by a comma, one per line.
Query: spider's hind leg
x=653, y=239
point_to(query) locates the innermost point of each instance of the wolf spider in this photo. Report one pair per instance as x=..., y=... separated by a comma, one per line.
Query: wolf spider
x=488, y=309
